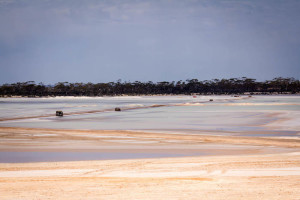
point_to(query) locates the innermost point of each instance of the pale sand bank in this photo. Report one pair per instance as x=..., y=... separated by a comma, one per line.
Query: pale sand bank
x=275, y=176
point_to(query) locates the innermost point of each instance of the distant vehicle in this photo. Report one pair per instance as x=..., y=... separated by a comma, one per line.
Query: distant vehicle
x=59, y=113
x=211, y=100
x=117, y=109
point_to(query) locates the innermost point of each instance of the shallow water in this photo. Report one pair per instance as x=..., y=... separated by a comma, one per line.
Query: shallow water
x=113, y=154
x=22, y=157
x=225, y=115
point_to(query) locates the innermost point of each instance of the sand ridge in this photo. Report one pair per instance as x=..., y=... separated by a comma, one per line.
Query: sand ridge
x=18, y=138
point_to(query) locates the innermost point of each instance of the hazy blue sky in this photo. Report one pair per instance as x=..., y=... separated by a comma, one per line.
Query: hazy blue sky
x=163, y=40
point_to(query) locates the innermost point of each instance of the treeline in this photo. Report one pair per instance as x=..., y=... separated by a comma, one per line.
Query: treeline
x=216, y=86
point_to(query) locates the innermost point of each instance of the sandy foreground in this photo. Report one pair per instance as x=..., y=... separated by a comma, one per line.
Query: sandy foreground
x=242, y=167
x=221, y=177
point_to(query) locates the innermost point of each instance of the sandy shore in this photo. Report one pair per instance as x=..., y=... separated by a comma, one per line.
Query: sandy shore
x=275, y=176
x=241, y=168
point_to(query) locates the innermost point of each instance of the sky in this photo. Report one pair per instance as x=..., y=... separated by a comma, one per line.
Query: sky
x=96, y=41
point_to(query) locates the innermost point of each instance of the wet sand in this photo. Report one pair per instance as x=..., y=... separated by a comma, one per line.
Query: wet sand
x=236, y=168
